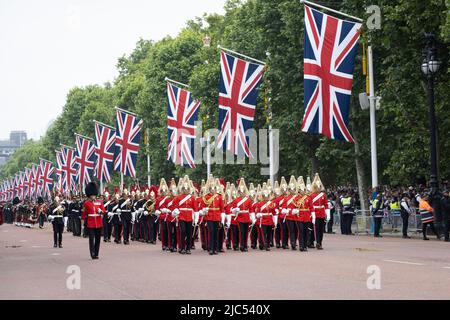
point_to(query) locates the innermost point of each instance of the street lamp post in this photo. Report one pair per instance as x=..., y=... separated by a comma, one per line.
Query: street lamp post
x=430, y=66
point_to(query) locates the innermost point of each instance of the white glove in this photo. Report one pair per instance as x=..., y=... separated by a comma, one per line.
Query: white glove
x=222, y=217
x=196, y=218
x=175, y=213
x=252, y=218
x=284, y=211
x=118, y=211
x=141, y=210
x=110, y=214
x=313, y=215
x=157, y=212
x=145, y=213
x=50, y=217
x=328, y=212
x=259, y=215
x=228, y=220
x=205, y=210
x=275, y=220
x=99, y=210
x=234, y=210
x=295, y=211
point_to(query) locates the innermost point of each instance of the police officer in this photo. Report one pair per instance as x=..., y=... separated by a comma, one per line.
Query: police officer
x=405, y=211
x=445, y=202
x=377, y=213
x=93, y=211
x=348, y=212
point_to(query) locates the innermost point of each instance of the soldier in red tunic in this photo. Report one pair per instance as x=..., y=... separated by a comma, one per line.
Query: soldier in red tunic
x=265, y=212
x=303, y=203
x=201, y=214
x=93, y=211
x=161, y=211
x=172, y=220
x=291, y=212
x=321, y=212
x=215, y=215
x=185, y=206
x=281, y=230
x=242, y=208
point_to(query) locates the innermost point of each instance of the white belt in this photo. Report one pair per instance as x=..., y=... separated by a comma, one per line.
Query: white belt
x=58, y=216
x=185, y=209
x=94, y=215
x=319, y=207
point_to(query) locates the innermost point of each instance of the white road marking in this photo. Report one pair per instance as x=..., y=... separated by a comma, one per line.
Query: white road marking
x=446, y=267
x=36, y=246
x=56, y=254
x=23, y=240
x=405, y=262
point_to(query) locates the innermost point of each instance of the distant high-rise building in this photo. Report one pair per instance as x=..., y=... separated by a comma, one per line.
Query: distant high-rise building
x=7, y=147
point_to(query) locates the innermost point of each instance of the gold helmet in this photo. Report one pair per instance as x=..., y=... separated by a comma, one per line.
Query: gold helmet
x=258, y=193
x=210, y=184
x=252, y=191
x=317, y=184
x=277, y=189
x=229, y=192
x=308, y=185
x=173, y=187
x=242, y=188
x=283, y=185
x=266, y=191
x=269, y=185
x=219, y=187
x=192, y=188
x=292, y=185
x=184, y=186
x=203, y=189
x=163, y=188
x=301, y=185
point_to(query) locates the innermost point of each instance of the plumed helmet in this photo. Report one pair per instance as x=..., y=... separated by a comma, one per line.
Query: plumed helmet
x=40, y=200
x=91, y=189
x=16, y=201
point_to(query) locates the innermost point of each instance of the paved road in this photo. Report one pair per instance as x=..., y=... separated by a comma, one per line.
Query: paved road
x=30, y=268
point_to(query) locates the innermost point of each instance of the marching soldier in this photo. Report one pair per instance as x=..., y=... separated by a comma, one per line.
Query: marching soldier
x=136, y=203
x=115, y=216
x=230, y=221
x=93, y=211
x=75, y=216
x=172, y=220
x=125, y=208
x=202, y=221
x=161, y=211
x=185, y=207
x=291, y=212
x=56, y=216
x=107, y=225
x=266, y=218
x=241, y=209
x=282, y=233
x=304, y=208
x=321, y=212
x=253, y=231
x=214, y=214
x=40, y=212
x=149, y=211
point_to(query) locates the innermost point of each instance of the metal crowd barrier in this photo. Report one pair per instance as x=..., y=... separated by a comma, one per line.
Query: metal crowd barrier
x=392, y=222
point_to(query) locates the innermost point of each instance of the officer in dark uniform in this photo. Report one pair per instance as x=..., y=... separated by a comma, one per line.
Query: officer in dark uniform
x=445, y=203
x=70, y=218
x=377, y=213
x=115, y=216
x=107, y=225
x=125, y=208
x=348, y=205
x=56, y=216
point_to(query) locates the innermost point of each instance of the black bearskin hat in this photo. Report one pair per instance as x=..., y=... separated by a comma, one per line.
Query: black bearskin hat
x=91, y=189
x=16, y=201
x=40, y=200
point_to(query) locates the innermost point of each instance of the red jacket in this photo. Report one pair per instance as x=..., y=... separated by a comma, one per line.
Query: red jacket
x=161, y=203
x=306, y=207
x=214, y=203
x=289, y=204
x=320, y=204
x=267, y=209
x=91, y=212
x=245, y=206
x=187, y=205
x=279, y=201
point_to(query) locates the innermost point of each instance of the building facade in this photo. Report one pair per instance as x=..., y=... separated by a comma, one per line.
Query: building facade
x=7, y=147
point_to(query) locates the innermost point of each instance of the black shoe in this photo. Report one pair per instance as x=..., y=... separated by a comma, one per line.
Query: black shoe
x=182, y=251
x=228, y=247
x=311, y=246
x=188, y=251
x=236, y=249
x=211, y=252
x=55, y=245
x=406, y=237
x=95, y=257
x=319, y=247
x=278, y=246
x=302, y=249
x=215, y=252
x=60, y=245
x=426, y=239
x=284, y=247
x=126, y=243
x=293, y=248
x=447, y=240
x=268, y=249
x=253, y=247
x=221, y=251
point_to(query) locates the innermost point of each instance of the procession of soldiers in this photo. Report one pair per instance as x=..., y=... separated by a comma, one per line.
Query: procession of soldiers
x=218, y=215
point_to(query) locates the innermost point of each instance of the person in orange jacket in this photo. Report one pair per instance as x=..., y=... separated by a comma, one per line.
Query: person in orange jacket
x=93, y=211
x=427, y=217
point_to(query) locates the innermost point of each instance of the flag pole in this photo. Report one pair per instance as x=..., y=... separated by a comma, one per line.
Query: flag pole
x=208, y=154
x=148, y=159
x=241, y=55
x=176, y=82
x=331, y=10
x=121, y=182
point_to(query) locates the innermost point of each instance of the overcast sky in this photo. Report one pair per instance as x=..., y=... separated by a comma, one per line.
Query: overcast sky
x=50, y=46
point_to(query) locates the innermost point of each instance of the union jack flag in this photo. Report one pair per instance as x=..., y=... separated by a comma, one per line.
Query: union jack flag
x=20, y=185
x=105, y=138
x=36, y=183
x=28, y=182
x=16, y=185
x=182, y=113
x=85, y=160
x=128, y=137
x=46, y=177
x=68, y=169
x=238, y=92
x=59, y=173
x=330, y=50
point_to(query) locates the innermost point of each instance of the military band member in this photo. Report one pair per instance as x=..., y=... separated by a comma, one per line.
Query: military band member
x=56, y=216
x=107, y=225
x=40, y=211
x=93, y=211
x=214, y=211
x=75, y=214
x=152, y=224
x=115, y=216
x=125, y=210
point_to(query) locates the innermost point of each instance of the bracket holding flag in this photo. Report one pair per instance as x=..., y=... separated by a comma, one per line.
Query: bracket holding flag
x=176, y=82
x=241, y=55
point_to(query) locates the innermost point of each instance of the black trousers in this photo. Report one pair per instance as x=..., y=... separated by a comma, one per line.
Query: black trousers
x=347, y=220
x=254, y=236
x=330, y=223
x=303, y=226
x=173, y=235
x=243, y=235
x=107, y=228
x=264, y=236
x=377, y=225
x=117, y=232
x=153, y=228
x=94, y=241
x=126, y=225
x=58, y=229
x=77, y=226
x=293, y=232
x=185, y=235
x=424, y=229
x=319, y=229
x=85, y=229
x=164, y=234
x=213, y=232
x=311, y=234
x=446, y=229
x=405, y=218
x=220, y=238
x=41, y=221
x=70, y=224
x=234, y=235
